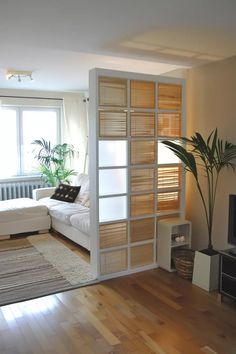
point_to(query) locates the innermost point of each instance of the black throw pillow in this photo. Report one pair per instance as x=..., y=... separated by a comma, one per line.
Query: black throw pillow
x=66, y=193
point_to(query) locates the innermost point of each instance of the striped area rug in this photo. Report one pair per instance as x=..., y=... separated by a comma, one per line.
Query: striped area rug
x=36, y=266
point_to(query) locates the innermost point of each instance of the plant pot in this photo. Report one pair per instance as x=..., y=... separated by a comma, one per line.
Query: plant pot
x=206, y=271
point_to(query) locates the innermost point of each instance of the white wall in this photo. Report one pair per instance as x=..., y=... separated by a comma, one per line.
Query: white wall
x=211, y=100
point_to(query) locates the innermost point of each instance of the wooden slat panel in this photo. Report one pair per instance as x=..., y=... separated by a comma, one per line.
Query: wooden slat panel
x=112, y=124
x=143, y=152
x=141, y=255
x=168, y=201
x=114, y=261
x=142, y=204
x=113, y=234
x=169, y=124
x=142, y=124
x=168, y=177
x=142, y=179
x=169, y=96
x=142, y=94
x=141, y=230
x=112, y=92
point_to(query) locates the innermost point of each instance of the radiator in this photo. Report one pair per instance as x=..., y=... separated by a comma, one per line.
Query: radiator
x=19, y=189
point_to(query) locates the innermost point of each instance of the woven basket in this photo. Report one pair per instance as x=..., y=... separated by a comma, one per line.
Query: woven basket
x=183, y=260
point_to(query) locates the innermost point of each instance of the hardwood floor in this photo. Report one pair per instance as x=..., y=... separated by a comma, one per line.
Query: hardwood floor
x=149, y=312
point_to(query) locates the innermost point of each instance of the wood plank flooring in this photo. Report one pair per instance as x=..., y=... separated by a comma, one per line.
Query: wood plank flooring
x=149, y=312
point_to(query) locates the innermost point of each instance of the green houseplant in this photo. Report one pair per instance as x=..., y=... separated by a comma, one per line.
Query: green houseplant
x=53, y=161
x=205, y=158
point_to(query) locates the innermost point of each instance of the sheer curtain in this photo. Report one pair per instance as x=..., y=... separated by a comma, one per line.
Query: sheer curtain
x=76, y=127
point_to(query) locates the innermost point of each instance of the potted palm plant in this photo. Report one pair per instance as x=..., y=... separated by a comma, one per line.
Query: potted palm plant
x=53, y=161
x=205, y=159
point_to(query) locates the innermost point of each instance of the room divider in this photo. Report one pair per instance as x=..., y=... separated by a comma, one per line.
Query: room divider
x=134, y=179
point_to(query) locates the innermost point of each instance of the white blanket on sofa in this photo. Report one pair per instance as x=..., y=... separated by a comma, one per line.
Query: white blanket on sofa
x=21, y=208
x=73, y=214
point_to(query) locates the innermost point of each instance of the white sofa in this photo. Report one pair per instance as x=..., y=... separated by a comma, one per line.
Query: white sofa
x=70, y=219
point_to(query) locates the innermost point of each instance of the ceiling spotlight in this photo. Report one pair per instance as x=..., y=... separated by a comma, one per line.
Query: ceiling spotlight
x=19, y=75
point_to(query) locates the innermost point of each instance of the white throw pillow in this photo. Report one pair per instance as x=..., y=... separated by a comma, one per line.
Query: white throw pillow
x=82, y=179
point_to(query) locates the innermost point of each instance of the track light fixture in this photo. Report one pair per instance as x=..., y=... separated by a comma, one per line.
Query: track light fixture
x=19, y=75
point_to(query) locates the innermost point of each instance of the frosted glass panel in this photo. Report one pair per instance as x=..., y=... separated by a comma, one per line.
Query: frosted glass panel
x=114, y=208
x=113, y=181
x=112, y=153
x=165, y=155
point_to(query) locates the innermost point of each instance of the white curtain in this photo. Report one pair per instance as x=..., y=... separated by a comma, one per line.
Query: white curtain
x=75, y=127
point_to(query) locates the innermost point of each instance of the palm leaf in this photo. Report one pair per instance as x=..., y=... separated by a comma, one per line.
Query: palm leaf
x=186, y=157
x=53, y=160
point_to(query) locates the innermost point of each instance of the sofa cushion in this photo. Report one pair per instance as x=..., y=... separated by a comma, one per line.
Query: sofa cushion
x=66, y=193
x=81, y=221
x=63, y=211
x=50, y=203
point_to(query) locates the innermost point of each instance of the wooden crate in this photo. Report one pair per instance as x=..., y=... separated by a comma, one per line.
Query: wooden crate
x=112, y=92
x=169, y=124
x=169, y=96
x=168, y=201
x=141, y=230
x=113, y=261
x=143, y=152
x=142, y=94
x=112, y=235
x=141, y=255
x=141, y=179
x=142, y=124
x=169, y=177
x=112, y=124
x=142, y=204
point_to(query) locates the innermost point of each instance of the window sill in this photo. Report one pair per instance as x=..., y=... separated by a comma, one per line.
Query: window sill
x=21, y=178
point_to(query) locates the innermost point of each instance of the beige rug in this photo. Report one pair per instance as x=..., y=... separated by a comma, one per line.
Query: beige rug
x=38, y=265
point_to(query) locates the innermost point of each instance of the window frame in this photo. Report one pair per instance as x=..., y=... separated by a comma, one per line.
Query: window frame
x=19, y=109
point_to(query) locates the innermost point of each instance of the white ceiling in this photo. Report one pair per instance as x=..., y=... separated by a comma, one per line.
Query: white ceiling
x=60, y=40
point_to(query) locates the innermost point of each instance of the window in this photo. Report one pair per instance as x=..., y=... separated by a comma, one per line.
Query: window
x=19, y=127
